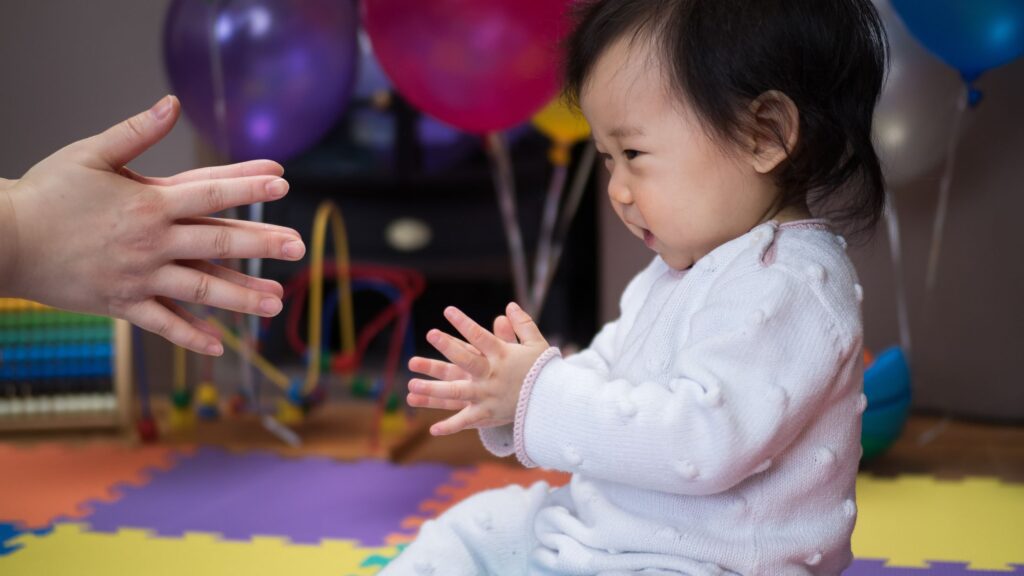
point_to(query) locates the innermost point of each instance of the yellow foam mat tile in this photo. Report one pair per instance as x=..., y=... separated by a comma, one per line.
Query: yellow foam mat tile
x=911, y=520
x=72, y=549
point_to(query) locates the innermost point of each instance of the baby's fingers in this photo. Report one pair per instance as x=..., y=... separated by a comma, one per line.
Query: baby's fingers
x=462, y=420
x=474, y=333
x=503, y=329
x=461, y=390
x=524, y=326
x=421, y=401
x=437, y=369
x=458, y=352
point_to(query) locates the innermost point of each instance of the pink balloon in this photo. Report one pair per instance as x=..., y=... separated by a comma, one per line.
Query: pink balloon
x=480, y=65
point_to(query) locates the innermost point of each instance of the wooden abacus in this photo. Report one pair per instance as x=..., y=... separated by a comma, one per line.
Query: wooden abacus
x=62, y=370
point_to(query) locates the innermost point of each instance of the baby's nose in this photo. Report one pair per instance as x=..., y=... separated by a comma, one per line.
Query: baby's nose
x=618, y=191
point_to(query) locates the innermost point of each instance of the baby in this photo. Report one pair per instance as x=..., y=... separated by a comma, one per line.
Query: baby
x=714, y=427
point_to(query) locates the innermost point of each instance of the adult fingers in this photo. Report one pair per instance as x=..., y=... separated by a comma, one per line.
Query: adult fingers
x=202, y=197
x=122, y=143
x=155, y=317
x=244, y=280
x=239, y=170
x=191, y=285
x=200, y=242
x=241, y=224
x=189, y=317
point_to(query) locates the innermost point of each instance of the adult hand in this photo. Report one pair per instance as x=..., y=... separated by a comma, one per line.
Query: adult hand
x=485, y=373
x=92, y=236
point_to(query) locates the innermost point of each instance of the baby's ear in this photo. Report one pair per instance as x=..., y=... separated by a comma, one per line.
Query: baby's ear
x=774, y=123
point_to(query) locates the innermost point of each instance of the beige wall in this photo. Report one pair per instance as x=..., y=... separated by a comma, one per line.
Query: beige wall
x=70, y=69
x=968, y=336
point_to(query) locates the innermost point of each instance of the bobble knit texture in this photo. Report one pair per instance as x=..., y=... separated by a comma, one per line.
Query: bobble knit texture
x=712, y=429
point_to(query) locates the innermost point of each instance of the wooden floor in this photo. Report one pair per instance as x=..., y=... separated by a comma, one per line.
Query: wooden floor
x=929, y=445
x=948, y=448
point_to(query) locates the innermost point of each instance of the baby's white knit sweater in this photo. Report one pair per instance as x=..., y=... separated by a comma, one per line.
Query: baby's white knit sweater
x=715, y=425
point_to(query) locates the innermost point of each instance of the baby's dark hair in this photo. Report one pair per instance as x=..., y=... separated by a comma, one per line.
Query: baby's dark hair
x=828, y=56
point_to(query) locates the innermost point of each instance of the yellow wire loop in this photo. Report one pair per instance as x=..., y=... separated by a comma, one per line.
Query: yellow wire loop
x=328, y=213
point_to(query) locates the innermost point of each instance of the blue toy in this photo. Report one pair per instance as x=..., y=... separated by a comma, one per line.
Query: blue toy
x=887, y=386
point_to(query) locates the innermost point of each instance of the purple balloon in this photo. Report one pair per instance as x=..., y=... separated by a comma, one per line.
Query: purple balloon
x=262, y=78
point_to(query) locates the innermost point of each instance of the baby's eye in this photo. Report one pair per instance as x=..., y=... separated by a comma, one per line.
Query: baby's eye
x=630, y=154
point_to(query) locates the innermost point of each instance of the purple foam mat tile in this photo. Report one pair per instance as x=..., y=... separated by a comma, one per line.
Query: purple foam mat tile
x=866, y=567
x=305, y=500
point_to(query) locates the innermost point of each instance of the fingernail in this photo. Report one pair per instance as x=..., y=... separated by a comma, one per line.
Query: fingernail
x=161, y=109
x=294, y=249
x=433, y=336
x=215, y=349
x=277, y=188
x=270, y=305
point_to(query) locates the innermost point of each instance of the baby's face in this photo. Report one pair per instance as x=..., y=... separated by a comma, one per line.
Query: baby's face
x=673, y=187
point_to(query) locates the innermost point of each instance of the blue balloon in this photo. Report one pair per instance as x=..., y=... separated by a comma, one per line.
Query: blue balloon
x=972, y=36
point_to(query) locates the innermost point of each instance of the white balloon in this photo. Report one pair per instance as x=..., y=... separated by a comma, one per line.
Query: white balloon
x=913, y=119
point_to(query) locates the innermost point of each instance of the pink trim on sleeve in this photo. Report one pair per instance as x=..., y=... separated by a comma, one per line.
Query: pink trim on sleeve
x=524, y=400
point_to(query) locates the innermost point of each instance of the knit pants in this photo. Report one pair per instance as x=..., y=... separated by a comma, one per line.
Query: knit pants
x=488, y=533
x=495, y=533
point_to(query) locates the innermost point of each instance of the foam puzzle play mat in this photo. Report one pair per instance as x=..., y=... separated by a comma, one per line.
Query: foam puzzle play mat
x=104, y=507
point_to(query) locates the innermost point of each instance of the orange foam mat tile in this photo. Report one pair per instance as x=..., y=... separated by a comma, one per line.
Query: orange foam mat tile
x=40, y=483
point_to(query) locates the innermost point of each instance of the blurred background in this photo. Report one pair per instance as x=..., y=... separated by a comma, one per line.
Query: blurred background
x=416, y=182
x=431, y=163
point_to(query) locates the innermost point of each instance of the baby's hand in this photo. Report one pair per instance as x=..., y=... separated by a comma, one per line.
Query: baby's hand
x=485, y=375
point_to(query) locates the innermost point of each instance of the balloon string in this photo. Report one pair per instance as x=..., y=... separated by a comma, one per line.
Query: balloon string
x=549, y=217
x=572, y=204
x=178, y=378
x=141, y=379
x=945, y=186
x=896, y=252
x=250, y=384
x=504, y=184
x=220, y=106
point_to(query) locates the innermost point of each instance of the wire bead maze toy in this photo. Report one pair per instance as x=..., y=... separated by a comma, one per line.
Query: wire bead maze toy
x=301, y=394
